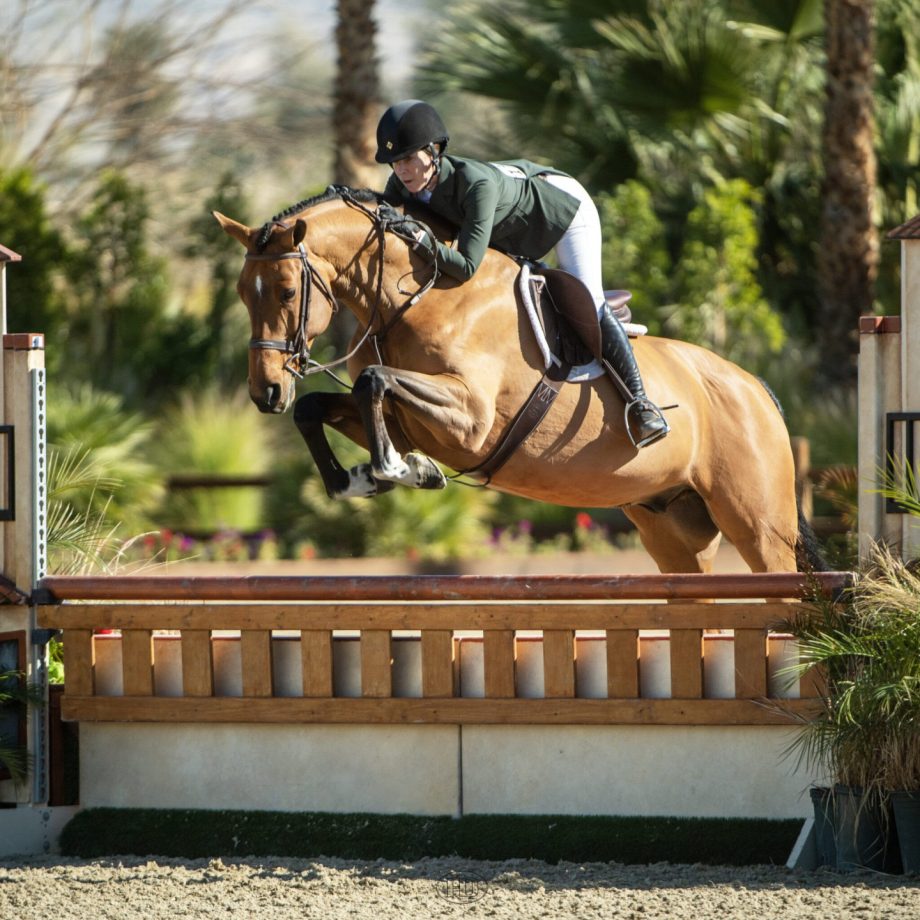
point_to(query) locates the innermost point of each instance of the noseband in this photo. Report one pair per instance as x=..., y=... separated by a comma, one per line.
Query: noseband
x=297, y=348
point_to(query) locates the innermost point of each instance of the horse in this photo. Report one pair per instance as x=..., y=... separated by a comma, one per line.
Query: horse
x=442, y=368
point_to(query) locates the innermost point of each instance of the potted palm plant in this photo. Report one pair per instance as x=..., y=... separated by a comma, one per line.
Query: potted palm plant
x=15, y=693
x=865, y=649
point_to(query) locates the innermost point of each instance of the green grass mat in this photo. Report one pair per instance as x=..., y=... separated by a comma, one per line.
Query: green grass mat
x=195, y=834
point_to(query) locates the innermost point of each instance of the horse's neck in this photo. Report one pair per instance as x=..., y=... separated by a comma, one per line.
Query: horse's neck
x=350, y=244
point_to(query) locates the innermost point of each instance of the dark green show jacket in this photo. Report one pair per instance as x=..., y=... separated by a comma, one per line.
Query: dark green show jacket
x=518, y=213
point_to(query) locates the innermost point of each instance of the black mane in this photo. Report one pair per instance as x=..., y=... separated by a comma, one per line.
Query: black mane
x=364, y=195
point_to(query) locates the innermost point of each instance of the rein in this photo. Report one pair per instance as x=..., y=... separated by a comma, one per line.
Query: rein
x=299, y=362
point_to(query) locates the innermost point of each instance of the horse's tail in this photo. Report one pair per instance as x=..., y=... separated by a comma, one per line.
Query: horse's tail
x=809, y=556
x=808, y=553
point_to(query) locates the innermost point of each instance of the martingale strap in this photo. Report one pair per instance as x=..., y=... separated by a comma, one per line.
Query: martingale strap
x=525, y=423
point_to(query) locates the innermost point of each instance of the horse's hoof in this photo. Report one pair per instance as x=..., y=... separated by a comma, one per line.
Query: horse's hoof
x=361, y=484
x=426, y=472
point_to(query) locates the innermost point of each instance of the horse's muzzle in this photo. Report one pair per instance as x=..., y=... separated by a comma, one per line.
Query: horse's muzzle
x=271, y=400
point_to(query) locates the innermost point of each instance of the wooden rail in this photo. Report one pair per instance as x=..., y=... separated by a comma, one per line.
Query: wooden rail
x=437, y=587
x=496, y=628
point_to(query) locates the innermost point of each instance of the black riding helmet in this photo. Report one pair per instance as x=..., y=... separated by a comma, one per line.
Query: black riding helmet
x=406, y=127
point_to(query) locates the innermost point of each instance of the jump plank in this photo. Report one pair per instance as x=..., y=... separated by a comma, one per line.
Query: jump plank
x=414, y=711
x=495, y=615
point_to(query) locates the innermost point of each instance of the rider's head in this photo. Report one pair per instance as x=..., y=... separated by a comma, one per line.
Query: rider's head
x=408, y=126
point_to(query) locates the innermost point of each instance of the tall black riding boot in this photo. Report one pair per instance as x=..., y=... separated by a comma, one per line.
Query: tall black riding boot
x=644, y=422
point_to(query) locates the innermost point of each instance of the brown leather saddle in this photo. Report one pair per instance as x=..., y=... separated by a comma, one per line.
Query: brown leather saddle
x=569, y=315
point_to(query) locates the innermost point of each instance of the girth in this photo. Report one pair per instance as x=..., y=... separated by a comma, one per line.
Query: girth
x=525, y=423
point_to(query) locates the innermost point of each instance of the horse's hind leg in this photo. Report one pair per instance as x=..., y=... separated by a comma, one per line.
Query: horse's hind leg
x=681, y=537
x=755, y=508
x=338, y=410
x=764, y=531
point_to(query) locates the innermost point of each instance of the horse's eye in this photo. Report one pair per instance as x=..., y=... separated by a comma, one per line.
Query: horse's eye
x=288, y=294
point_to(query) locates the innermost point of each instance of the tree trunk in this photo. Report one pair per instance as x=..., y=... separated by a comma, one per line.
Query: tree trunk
x=848, y=254
x=357, y=95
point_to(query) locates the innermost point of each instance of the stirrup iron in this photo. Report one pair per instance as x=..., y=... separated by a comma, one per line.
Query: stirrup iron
x=641, y=402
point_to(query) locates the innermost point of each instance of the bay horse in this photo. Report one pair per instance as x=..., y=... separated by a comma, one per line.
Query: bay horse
x=443, y=375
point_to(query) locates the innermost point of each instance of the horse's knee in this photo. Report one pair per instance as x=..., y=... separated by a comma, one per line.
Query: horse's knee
x=369, y=384
x=308, y=411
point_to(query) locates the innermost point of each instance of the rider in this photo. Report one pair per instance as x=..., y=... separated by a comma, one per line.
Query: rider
x=518, y=207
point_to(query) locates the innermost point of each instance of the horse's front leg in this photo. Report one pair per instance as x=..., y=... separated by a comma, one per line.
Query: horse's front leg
x=339, y=411
x=421, y=394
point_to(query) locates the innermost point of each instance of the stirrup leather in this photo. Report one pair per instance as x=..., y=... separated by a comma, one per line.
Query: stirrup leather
x=639, y=403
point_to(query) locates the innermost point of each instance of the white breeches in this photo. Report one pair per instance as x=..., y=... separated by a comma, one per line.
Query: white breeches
x=579, y=250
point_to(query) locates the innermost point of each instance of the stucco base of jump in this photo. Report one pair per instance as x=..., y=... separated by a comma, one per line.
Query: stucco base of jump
x=32, y=830
x=669, y=771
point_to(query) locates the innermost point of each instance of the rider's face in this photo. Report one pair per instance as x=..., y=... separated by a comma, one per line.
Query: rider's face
x=415, y=171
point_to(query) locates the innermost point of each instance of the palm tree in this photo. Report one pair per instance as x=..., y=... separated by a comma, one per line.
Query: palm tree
x=849, y=251
x=357, y=94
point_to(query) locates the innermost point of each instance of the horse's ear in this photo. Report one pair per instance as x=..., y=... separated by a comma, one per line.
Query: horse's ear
x=238, y=231
x=300, y=231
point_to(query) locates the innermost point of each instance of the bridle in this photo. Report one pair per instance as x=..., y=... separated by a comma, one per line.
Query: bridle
x=299, y=363
x=298, y=349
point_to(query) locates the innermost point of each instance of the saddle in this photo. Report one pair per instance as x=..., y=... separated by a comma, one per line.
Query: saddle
x=564, y=319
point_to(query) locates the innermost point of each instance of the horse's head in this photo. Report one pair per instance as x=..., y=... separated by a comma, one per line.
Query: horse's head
x=289, y=300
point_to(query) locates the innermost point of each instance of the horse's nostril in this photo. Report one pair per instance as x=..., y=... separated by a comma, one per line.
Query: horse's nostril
x=273, y=395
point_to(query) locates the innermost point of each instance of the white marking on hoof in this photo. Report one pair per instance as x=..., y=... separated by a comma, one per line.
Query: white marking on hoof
x=427, y=473
x=415, y=470
x=361, y=483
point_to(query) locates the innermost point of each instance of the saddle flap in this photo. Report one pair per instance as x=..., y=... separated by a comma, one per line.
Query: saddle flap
x=574, y=301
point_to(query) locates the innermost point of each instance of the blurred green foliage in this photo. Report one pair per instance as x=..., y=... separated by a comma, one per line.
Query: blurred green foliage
x=695, y=124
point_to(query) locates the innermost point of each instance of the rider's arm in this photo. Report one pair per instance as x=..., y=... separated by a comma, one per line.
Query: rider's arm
x=479, y=205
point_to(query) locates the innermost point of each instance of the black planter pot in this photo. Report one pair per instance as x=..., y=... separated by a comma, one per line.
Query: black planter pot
x=906, y=809
x=865, y=834
x=822, y=801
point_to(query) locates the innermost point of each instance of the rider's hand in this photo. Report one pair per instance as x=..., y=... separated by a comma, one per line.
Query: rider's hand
x=425, y=245
x=413, y=231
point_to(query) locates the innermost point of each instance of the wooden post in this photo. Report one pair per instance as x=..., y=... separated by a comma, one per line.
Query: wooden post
x=804, y=488
x=6, y=255
x=623, y=663
x=316, y=662
x=23, y=408
x=750, y=663
x=889, y=381
x=879, y=394
x=437, y=662
x=559, y=663
x=687, y=664
x=910, y=364
x=498, y=663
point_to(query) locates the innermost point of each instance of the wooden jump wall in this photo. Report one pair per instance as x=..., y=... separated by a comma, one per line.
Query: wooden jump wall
x=436, y=608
